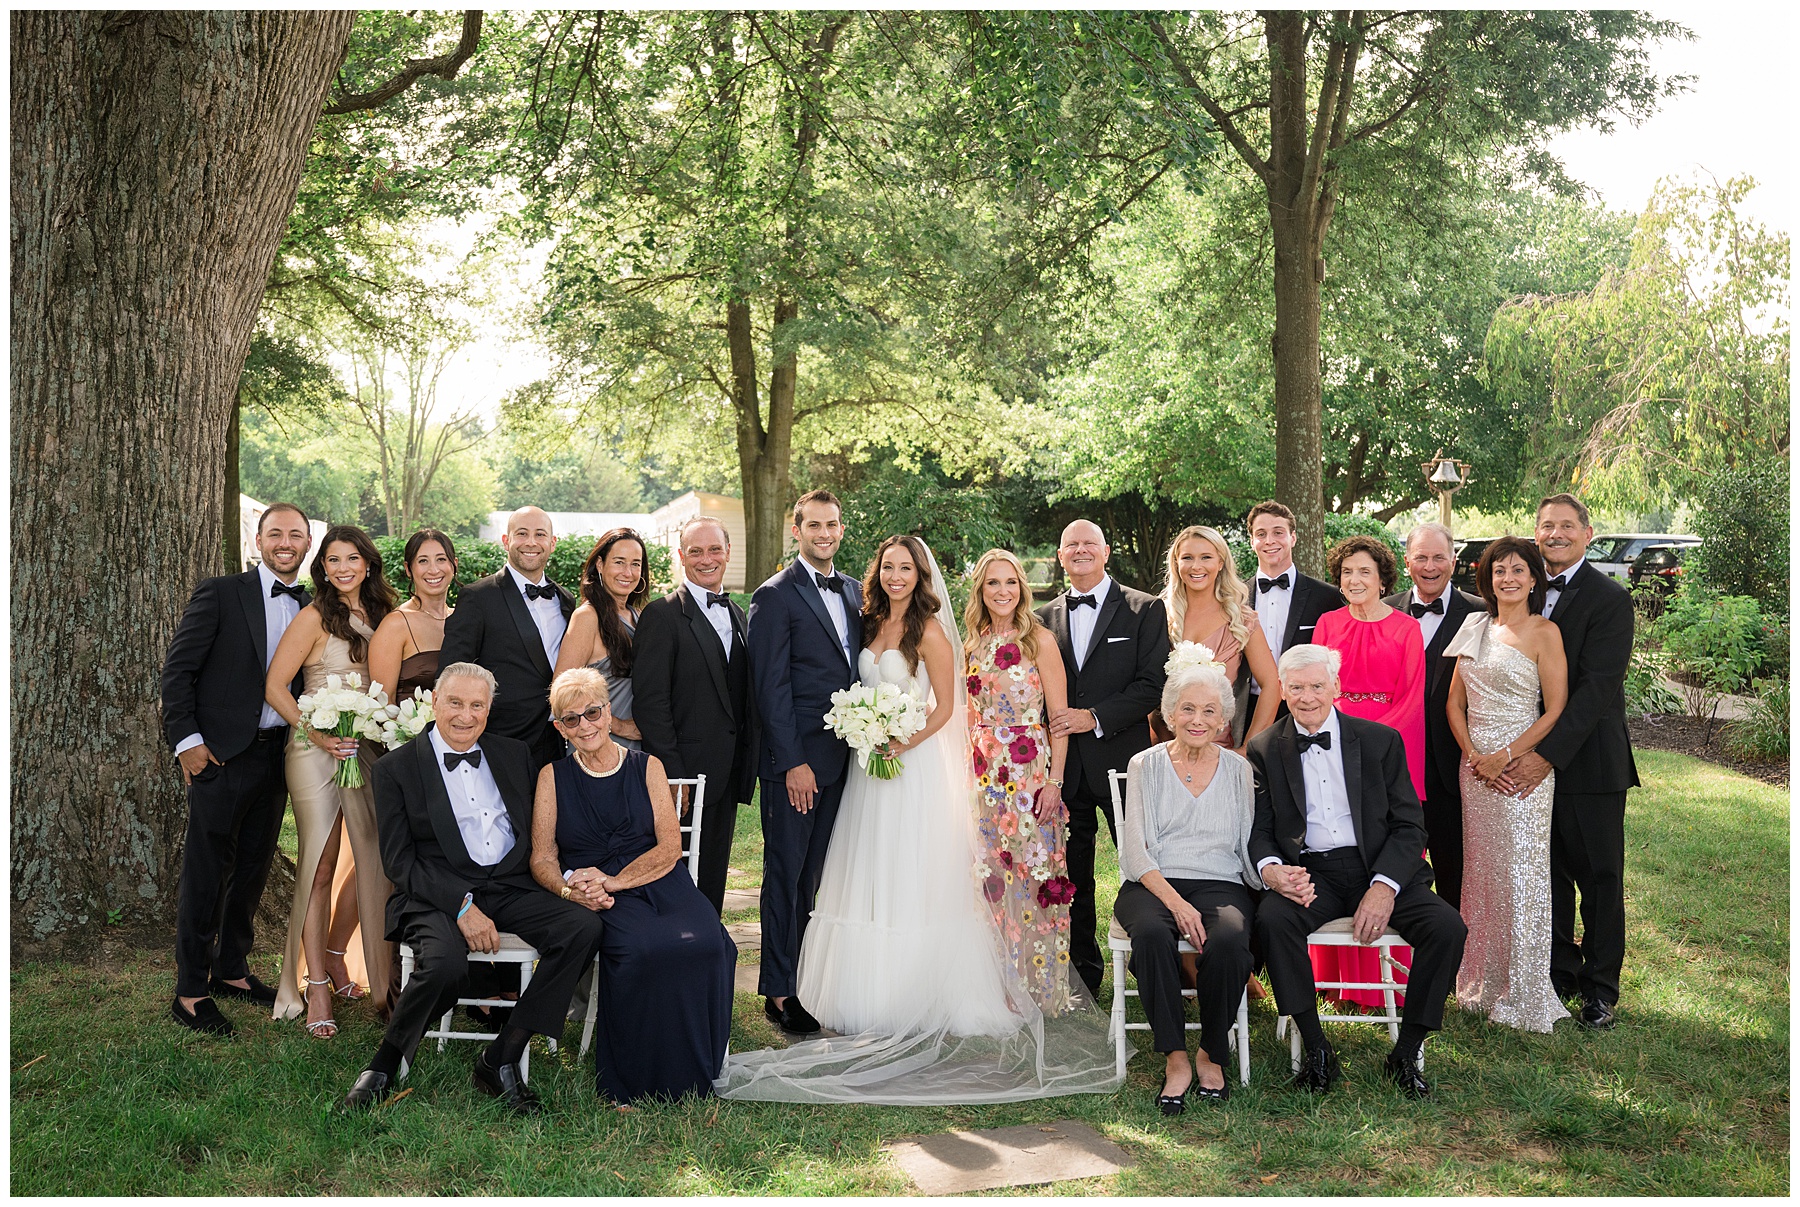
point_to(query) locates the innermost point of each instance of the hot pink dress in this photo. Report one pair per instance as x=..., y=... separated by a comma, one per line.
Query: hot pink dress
x=1383, y=679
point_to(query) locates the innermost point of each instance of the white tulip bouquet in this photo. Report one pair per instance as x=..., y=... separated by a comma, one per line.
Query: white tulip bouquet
x=408, y=719
x=344, y=709
x=869, y=717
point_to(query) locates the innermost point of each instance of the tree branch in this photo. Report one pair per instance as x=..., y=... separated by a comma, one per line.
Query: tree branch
x=444, y=66
x=1214, y=110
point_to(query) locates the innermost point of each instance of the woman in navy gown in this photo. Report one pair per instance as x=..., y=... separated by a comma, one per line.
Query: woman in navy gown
x=604, y=834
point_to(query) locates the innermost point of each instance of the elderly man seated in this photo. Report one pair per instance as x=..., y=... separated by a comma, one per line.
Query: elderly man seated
x=454, y=809
x=1339, y=832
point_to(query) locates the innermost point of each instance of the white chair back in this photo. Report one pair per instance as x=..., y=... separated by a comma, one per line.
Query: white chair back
x=690, y=828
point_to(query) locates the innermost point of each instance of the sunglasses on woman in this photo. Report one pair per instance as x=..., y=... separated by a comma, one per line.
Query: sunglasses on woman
x=573, y=720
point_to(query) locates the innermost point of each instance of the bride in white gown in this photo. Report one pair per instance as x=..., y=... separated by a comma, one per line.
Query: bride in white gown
x=901, y=956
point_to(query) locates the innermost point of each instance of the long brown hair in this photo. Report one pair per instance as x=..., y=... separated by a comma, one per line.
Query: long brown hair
x=1526, y=551
x=919, y=610
x=377, y=597
x=606, y=610
x=978, y=622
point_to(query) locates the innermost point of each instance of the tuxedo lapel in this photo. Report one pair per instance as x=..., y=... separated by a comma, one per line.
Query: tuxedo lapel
x=1567, y=598
x=1456, y=610
x=710, y=647
x=1115, y=599
x=512, y=779
x=250, y=591
x=1290, y=768
x=1056, y=619
x=800, y=575
x=1353, y=780
x=521, y=615
x=1297, y=603
x=437, y=807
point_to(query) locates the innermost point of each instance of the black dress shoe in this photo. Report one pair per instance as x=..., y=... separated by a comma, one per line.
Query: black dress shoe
x=1597, y=1015
x=204, y=1017
x=1405, y=1073
x=506, y=1084
x=1319, y=1070
x=371, y=1089
x=258, y=992
x=1171, y=1104
x=1208, y=1093
x=792, y=1017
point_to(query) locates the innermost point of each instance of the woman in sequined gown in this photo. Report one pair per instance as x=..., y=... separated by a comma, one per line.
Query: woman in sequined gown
x=1505, y=660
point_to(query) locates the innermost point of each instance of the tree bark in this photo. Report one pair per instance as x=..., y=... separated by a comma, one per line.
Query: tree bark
x=231, y=545
x=155, y=159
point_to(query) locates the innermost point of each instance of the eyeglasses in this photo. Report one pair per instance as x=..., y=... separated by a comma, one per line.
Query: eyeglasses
x=573, y=720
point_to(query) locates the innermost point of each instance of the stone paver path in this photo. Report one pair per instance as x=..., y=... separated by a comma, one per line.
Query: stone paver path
x=961, y=1162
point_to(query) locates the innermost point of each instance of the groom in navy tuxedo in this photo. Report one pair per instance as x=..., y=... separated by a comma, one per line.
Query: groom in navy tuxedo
x=805, y=636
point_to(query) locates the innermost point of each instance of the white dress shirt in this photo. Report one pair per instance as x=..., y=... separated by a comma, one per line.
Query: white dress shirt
x=1083, y=619
x=1430, y=622
x=719, y=618
x=278, y=614
x=1328, y=824
x=1272, y=608
x=1553, y=594
x=481, y=816
x=836, y=606
x=546, y=613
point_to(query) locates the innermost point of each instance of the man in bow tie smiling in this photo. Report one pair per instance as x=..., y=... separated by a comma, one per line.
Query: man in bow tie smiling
x=1288, y=603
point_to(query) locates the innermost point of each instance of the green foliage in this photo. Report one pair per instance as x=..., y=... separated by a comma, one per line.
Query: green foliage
x=478, y=559
x=1742, y=515
x=1646, y=692
x=559, y=475
x=1763, y=735
x=1715, y=641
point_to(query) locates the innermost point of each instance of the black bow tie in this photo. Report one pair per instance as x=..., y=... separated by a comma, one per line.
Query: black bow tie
x=1322, y=740
x=1265, y=585
x=1560, y=582
x=546, y=591
x=825, y=582
x=719, y=601
x=1419, y=609
x=293, y=589
x=472, y=758
x=1083, y=601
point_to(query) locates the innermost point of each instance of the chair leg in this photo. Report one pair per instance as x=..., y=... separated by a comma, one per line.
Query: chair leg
x=1243, y=1039
x=525, y=967
x=1294, y=1048
x=1386, y=961
x=1121, y=1045
x=593, y=1010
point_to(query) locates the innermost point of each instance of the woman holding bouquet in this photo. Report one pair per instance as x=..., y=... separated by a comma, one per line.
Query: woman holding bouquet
x=329, y=638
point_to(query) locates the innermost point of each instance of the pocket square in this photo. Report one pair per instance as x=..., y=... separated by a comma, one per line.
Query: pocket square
x=1110, y=640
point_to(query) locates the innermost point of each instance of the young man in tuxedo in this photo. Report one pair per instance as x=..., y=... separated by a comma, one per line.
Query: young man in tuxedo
x=454, y=808
x=691, y=680
x=1288, y=603
x=805, y=631
x=1591, y=752
x=1114, y=641
x=1440, y=610
x=230, y=745
x=1338, y=832
x=512, y=622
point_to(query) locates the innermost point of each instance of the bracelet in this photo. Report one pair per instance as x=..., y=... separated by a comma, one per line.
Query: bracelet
x=1509, y=754
x=468, y=900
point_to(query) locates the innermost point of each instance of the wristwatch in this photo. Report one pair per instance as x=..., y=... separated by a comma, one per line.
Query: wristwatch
x=1056, y=782
x=567, y=892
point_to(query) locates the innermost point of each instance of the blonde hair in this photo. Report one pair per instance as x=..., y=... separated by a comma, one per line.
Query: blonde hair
x=979, y=622
x=576, y=684
x=1231, y=592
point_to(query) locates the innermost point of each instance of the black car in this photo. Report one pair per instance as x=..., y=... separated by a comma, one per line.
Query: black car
x=1462, y=573
x=1656, y=574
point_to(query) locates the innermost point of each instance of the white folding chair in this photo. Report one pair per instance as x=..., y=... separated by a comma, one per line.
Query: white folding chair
x=1119, y=943
x=513, y=950
x=691, y=828
x=1338, y=933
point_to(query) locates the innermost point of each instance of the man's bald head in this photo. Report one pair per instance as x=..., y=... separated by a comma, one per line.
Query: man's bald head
x=1083, y=553
x=528, y=540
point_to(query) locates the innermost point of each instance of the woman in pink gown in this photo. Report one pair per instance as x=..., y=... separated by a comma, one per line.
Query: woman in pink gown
x=1383, y=679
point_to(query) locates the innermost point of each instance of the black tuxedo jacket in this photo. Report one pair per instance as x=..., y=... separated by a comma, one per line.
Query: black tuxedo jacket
x=796, y=662
x=1588, y=745
x=212, y=678
x=695, y=708
x=1121, y=680
x=1384, y=809
x=422, y=849
x=491, y=627
x=1442, y=754
x=1312, y=599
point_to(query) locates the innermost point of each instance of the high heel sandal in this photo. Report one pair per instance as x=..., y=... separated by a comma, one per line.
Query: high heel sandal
x=351, y=992
x=314, y=1029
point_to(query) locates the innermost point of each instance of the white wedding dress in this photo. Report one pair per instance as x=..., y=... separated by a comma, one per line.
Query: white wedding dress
x=901, y=956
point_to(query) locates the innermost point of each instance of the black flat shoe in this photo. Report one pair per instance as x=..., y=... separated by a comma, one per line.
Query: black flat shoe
x=1405, y=1073
x=1172, y=1104
x=258, y=992
x=370, y=1090
x=792, y=1017
x=1221, y=1094
x=1319, y=1070
x=204, y=1017
x=506, y=1084
x=1597, y=1015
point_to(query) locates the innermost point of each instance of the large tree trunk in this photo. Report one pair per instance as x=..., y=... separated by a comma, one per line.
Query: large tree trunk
x=1297, y=238
x=155, y=158
x=764, y=450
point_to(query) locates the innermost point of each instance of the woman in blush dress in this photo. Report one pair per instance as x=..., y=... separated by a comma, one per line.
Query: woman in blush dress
x=615, y=586
x=1506, y=660
x=1019, y=813
x=330, y=637
x=1383, y=679
x=1208, y=603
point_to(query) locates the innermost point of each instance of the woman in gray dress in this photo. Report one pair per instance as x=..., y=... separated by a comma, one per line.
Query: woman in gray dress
x=615, y=585
x=1507, y=658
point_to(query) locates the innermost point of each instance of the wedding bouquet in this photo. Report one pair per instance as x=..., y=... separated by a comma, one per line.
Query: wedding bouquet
x=1186, y=654
x=343, y=708
x=408, y=719
x=868, y=717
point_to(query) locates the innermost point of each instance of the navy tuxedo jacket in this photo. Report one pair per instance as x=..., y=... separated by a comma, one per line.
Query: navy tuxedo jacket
x=796, y=662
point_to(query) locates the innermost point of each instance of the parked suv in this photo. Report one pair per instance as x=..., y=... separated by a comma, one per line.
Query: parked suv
x=1656, y=574
x=1615, y=554
x=1468, y=556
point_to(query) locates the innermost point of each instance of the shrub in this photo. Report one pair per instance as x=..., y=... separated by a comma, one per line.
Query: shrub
x=1645, y=692
x=1763, y=735
x=478, y=559
x=1742, y=516
x=1715, y=641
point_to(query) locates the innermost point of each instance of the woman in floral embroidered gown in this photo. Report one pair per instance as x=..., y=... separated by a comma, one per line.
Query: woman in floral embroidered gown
x=1019, y=810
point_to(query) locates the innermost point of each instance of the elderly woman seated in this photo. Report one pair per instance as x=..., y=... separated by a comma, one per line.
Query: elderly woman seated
x=1184, y=853
x=605, y=834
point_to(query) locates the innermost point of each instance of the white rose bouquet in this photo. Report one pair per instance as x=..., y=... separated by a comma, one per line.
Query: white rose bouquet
x=869, y=717
x=343, y=708
x=408, y=719
x=1189, y=653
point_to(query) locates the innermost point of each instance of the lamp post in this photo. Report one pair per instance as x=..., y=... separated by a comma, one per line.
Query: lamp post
x=1445, y=476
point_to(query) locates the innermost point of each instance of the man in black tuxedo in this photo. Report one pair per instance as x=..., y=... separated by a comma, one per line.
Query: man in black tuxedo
x=1288, y=603
x=1440, y=610
x=512, y=622
x=1591, y=752
x=1338, y=832
x=691, y=680
x=230, y=745
x=1114, y=642
x=805, y=637
x=454, y=808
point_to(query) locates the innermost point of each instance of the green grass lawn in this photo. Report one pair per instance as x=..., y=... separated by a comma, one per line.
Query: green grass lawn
x=1689, y=1095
